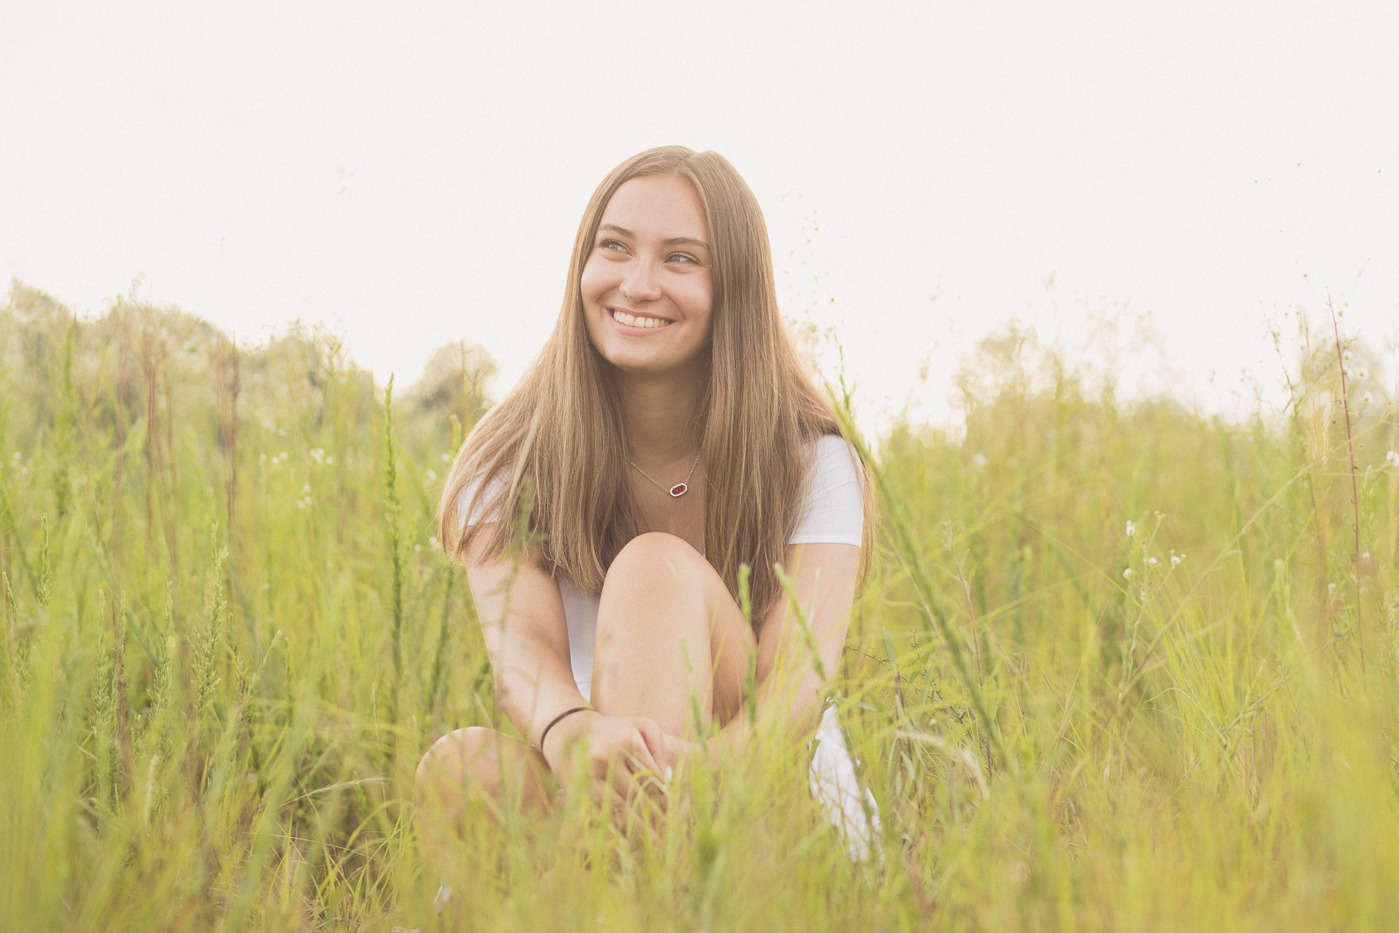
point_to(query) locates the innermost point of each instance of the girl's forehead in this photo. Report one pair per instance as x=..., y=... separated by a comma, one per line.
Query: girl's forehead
x=657, y=204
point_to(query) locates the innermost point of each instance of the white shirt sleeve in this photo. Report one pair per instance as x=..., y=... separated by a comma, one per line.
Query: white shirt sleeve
x=477, y=515
x=834, y=512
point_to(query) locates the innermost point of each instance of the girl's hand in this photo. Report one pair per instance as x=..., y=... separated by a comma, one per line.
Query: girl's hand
x=678, y=751
x=618, y=755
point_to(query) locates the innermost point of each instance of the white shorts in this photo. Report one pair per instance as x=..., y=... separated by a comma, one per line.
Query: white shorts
x=836, y=787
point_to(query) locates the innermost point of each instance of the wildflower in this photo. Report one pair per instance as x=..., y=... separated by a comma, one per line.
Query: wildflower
x=1391, y=459
x=1152, y=562
x=1362, y=373
x=978, y=460
x=432, y=476
x=446, y=458
x=1131, y=528
x=1176, y=559
x=1366, y=399
x=1127, y=574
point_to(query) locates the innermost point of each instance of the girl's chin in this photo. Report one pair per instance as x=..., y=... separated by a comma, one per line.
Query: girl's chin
x=648, y=365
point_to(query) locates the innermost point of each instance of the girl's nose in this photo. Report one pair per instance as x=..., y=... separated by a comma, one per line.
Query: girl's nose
x=640, y=283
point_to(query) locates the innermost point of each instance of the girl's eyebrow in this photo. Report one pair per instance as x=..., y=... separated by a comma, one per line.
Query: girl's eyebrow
x=672, y=241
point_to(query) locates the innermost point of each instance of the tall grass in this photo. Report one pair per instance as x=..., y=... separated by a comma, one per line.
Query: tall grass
x=1118, y=666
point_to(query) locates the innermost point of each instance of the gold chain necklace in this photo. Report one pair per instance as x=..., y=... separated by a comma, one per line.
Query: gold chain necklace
x=680, y=488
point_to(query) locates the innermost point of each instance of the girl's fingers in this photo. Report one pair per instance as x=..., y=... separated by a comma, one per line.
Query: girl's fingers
x=638, y=754
x=633, y=759
x=606, y=795
x=650, y=787
x=674, y=751
x=655, y=739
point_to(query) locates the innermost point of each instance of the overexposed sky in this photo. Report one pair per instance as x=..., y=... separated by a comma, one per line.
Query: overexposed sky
x=413, y=173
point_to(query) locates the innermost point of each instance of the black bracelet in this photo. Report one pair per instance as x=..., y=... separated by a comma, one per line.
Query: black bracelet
x=556, y=720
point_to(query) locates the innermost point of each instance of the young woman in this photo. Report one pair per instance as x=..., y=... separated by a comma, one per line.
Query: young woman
x=666, y=437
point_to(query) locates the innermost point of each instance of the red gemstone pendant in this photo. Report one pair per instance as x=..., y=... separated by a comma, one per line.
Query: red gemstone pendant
x=678, y=490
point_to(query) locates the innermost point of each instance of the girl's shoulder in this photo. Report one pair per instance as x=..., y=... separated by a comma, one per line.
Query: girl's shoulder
x=477, y=505
x=834, y=510
x=833, y=459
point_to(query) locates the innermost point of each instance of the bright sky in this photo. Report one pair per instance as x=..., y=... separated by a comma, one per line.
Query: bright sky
x=413, y=173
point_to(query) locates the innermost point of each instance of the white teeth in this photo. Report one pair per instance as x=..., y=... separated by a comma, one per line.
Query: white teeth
x=632, y=320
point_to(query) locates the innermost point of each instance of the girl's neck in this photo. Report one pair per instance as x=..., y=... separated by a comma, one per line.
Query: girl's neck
x=661, y=418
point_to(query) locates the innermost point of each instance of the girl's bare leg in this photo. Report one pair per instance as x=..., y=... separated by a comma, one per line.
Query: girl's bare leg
x=478, y=770
x=670, y=638
x=472, y=774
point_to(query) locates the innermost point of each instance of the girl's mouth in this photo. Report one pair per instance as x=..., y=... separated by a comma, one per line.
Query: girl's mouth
x=638, y=320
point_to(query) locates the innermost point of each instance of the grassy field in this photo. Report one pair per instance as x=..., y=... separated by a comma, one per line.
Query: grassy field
x=1118, y=666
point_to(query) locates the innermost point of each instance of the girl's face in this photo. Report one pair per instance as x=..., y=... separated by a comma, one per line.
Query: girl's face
x=647, y=287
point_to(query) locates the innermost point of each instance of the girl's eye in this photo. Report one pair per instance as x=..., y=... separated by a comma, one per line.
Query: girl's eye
x=681, y=257
x=612, y=245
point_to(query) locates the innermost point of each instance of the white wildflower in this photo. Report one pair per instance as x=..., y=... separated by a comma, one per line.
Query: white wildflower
x=1176, y=559
x=432, y=476
x=1391, y=459
x=1131, y=528
x=446, y=458
x=1127, y=574
x=978, y=460
x=1152, y=562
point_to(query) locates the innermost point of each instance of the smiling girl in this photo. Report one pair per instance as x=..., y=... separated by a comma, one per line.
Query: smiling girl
x=666, y=437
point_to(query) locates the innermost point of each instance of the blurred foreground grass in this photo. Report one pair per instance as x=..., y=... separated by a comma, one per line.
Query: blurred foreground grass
x=1169, y=699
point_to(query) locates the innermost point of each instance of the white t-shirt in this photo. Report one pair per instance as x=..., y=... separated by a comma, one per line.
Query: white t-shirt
x=834, y=513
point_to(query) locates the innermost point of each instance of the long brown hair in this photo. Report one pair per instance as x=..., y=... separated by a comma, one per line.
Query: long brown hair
x=554, y=450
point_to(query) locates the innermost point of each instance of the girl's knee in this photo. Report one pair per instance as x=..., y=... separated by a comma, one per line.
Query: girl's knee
x=455, y=758
x=657, y=554
x=480, y=764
